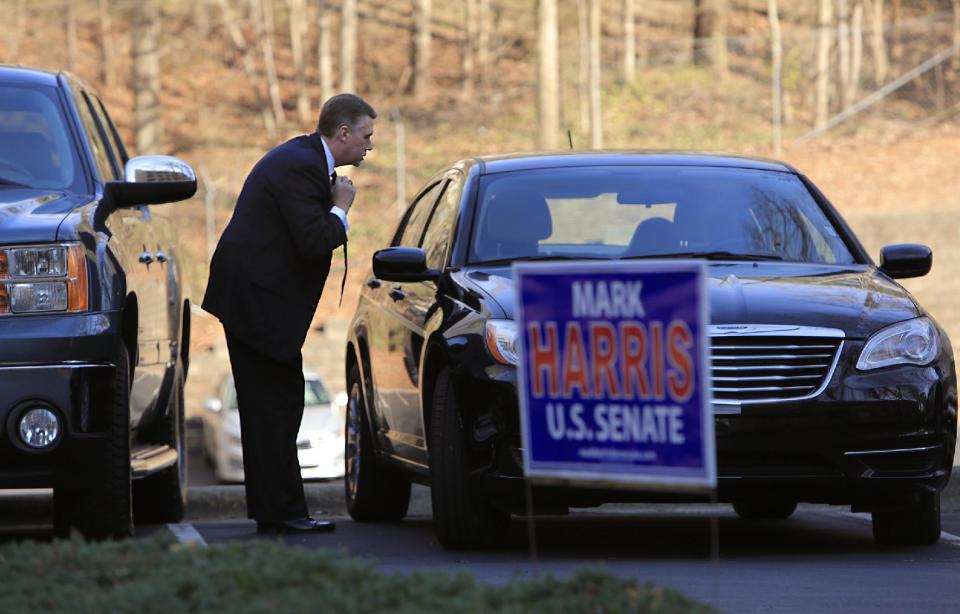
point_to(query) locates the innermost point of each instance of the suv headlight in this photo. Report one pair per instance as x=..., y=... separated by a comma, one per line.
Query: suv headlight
x=502, y=341
x=913, y=342
x=43, y=278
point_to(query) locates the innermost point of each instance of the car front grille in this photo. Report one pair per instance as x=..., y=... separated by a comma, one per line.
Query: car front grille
x=752, y=364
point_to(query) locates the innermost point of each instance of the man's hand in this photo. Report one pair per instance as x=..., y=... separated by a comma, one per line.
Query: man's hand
x=343, y=193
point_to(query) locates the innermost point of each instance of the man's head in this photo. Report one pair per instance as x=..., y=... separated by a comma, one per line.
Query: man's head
x=346, y=124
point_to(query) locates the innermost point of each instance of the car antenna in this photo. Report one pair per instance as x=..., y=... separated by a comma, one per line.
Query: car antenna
x=570, y=138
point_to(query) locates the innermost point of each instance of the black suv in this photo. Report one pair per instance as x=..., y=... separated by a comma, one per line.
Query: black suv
x=94, y=324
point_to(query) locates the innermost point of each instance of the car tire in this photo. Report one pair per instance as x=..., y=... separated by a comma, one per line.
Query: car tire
x=765, y=509
x=374, y=492
x=105, y=510
x=462, y=517
x=162, y=498
x=919, y=524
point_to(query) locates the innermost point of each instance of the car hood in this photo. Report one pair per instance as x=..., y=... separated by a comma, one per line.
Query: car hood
x=33, y=216
x=856, y=299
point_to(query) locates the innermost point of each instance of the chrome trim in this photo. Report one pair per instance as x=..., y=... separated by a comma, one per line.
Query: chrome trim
x=773, y=330
x=60, y=365
x=157, y=169
x=150, y=460
x=893, y=451
x=767, y=330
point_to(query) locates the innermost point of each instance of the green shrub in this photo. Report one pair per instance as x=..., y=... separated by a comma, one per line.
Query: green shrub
x=156, y=575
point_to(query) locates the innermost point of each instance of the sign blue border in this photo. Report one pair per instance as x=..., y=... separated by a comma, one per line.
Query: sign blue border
x=616, y=437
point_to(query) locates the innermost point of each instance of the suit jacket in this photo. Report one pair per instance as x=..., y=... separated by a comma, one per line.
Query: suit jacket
x=273, y=258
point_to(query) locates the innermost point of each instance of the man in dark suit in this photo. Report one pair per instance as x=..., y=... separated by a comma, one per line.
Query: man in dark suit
x=266, y=277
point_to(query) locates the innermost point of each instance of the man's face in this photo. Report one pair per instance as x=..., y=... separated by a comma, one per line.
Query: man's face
x=357, y=141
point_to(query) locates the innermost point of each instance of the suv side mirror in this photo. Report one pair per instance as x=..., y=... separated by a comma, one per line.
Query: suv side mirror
x=906, y=260
x=151, y=180
x=403, y=264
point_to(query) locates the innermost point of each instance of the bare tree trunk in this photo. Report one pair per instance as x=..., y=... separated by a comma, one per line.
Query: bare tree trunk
x=583, y=76
x=776, y=45
x=324, y=57
x=106, y=44
x=14, y=33
x=549, y=90
x=70, y=26
x=483, y=40
x=843, y=51
x=856, y=53
x=896, y=49
x=249, y=66
x=469, y=47
x=878, y=45
x=146, y=77
x=629, y=41
x=201, y=16
x=348, y=45
x=955, y=62
x=420, y=49
x=298, y=26
x=824, y=43
x=261, y=11
x=710, y=32
x=596, y=114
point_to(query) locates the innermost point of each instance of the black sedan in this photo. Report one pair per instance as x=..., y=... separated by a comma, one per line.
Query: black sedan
x=830, y=383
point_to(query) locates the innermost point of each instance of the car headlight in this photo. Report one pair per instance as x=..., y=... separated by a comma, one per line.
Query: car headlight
x=913, y=342
x=43, y=278
x=503, y=341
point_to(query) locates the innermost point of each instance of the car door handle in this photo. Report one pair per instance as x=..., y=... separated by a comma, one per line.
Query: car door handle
x=146, y=258
x=397, y=294
x=373, y=282
x=161, y=257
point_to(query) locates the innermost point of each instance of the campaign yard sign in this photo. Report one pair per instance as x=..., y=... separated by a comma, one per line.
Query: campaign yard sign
x=613, y=376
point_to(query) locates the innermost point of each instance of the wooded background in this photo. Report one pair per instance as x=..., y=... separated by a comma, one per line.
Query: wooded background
x=860, y=94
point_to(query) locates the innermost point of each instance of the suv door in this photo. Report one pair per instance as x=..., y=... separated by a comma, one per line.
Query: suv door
x=130, y=241
x=395, y=343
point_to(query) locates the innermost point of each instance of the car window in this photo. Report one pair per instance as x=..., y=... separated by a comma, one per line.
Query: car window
x=410, y=230
x=314, y=393
x=101, y=155
x=616, y=212
x=436, y=237
x=114, y=135
x=36, y=148
x=106, y=136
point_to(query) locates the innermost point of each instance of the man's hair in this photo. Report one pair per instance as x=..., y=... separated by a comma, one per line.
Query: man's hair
x=343, y=109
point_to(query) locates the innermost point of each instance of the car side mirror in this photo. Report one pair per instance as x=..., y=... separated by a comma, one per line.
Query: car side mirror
x=214, y=405
x=403, y=264
x=906, y=260
x=151, y=180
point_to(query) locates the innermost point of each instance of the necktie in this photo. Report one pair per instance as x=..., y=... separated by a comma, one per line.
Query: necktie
x=343, y=282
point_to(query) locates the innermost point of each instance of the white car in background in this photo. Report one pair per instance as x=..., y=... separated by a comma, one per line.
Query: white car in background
x=319, y=442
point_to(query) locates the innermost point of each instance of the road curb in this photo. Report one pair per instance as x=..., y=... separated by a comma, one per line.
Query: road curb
x=208, y=502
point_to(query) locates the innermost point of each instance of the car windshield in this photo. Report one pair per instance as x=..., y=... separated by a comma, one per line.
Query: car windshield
x=35, y=147
x=649, y=212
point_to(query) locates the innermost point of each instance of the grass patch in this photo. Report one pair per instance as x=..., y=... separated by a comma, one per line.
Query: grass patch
x=158, y=575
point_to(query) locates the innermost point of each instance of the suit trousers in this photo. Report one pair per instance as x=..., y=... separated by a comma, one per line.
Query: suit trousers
x=270, y=403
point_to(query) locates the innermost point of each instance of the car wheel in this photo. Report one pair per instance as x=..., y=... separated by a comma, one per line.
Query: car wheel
x=162, y=498
x=772, y=509
x=462, y=517
x=919, y=524
x=106, y=510
x=374, y=492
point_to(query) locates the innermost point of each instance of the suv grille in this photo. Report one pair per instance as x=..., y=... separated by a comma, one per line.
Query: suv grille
x=770, y=364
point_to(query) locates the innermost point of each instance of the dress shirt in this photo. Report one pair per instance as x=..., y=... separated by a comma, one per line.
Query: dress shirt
x=337, y=211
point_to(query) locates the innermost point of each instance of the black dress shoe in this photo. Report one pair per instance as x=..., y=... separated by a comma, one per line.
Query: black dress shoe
x=298, y=525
